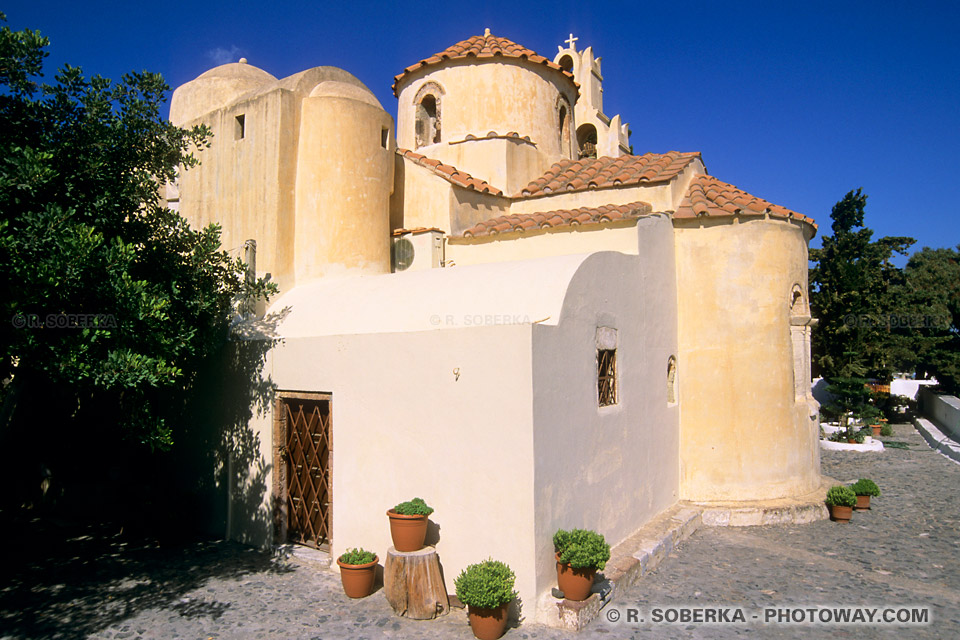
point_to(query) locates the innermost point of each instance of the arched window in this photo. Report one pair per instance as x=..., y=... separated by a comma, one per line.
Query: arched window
x=800, y=339
x=587, y=140
x=566, y=63
x=563, y=121
x=427, y=122
x=671, y=380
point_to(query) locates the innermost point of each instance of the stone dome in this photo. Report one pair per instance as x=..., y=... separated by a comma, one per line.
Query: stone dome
x=337, y=89
x=216, y=89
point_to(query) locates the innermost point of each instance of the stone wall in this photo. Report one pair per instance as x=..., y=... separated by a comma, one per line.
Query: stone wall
x=944, y=411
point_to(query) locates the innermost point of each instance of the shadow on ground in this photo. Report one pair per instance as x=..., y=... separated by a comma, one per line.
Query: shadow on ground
x=66, y=580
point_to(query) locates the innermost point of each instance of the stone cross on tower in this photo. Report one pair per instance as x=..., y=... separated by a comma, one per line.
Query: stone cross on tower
x=571, y=42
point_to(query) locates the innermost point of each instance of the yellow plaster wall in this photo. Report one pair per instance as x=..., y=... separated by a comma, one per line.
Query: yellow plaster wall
x=744, y=434
x=420, y=199
x=506, y=163
x=523, y=246
x=343, y=187
x=499, y=95
x=246, y=185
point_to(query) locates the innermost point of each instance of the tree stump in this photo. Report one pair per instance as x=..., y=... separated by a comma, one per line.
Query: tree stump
x=414, y=585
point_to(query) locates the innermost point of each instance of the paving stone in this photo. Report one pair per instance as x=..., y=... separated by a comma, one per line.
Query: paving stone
x=904, y=551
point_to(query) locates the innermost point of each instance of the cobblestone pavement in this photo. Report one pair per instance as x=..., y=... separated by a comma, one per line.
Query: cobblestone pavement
x=902, y=553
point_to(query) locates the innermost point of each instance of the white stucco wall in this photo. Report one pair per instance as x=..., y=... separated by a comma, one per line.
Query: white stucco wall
x=610, y=469
x=485, y=412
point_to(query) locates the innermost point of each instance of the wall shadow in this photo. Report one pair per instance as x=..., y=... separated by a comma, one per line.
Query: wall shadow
x=132, y=531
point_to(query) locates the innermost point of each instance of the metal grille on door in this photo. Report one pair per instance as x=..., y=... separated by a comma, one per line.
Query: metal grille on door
x=305, y=455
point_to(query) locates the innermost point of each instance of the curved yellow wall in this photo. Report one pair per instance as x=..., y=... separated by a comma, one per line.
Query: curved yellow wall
x=744, y=432
x=499, y=95
x=344, y=181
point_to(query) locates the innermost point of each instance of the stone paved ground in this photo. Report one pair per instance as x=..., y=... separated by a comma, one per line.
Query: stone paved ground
x=903, y=553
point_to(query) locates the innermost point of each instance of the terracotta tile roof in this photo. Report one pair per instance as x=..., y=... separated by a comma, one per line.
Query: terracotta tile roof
x=491, y=135
x=451, y=173
x=401, y=230
x=558, y=219
x=707, y=196
x=598, y=173
x=485, y=47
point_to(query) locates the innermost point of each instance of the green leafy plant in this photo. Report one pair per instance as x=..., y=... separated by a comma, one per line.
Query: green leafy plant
x=415, y=507
x=486, y=585
x=840, y=496
x=581, y=548
x=870, y=414
x=848, y=434
x=865, y=487
x=358, y=556
x=886, y=430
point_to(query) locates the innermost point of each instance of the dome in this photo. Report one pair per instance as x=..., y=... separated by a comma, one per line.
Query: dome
x=336, y=89
x=216, y=89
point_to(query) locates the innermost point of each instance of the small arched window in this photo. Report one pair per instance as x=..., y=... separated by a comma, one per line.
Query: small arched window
x=797, y=307
x=671, y=380
x=587, y=140
x=427, y=120
x=566, y=63
x=563, y=120
x=428, y=127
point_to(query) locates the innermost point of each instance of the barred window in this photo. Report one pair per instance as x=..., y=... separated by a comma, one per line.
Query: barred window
x=607, y=377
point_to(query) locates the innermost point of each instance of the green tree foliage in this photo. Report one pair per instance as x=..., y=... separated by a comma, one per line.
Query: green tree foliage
x=929, y=325
x=110, y=301
x=850, y=295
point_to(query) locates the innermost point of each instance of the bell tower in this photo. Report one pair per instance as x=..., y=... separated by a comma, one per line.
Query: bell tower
x=597, y=134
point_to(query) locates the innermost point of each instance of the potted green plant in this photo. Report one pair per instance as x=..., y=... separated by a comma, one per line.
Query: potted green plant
x=358, y=570
x=487, y=589
x=871, y=416
x=408, y=524
x=841, y=500
x=580, y=553
x=886, y=430
x=864, y=488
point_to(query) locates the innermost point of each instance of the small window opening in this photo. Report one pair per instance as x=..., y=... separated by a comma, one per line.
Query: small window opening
x=607, y=377
x=384, y=137
x=587, y=141
x=564, y=130
x=239, y=127
x=566, y=63
x=671, y=380
x=428, y=124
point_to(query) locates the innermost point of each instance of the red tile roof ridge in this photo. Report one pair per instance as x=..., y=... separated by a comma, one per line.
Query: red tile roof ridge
x=606, y=171
x=557, y=219
x=485, y=47
x=708, y=196
x=402, y=230
x=492, y=135
x=450, y=173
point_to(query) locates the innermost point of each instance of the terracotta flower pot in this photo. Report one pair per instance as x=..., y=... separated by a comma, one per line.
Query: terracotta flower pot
x=575, y=583
x=876, y=429
x=840, y=514
x=407, y=532
x=488, y=624
x=863, y=503
x=357, y=579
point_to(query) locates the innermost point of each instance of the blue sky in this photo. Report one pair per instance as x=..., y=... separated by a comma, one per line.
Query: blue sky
x=796, y=103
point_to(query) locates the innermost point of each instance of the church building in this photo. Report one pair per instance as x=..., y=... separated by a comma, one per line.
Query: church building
x=494, y=305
